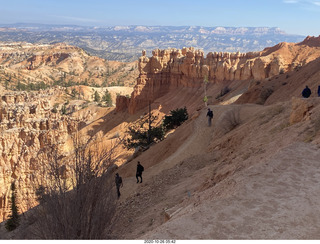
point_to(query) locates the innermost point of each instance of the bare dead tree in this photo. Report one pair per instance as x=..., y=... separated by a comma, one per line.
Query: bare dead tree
x=75, y=196
x=228, y=121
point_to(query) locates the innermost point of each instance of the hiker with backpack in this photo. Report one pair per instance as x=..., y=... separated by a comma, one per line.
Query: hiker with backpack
x=210, y=116
x=119, y=183
x=306, y=92
x=140, y=169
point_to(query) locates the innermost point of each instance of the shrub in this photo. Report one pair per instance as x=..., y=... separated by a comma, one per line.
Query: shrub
x=77, y=200
x=228, y=121
x=176, y=118
x=63, y=109
x=264, y=95
x=139, y=137
x=55, y=108
x=223, y=92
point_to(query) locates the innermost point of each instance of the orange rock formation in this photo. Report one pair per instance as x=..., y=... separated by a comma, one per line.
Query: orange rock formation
x=169, y=69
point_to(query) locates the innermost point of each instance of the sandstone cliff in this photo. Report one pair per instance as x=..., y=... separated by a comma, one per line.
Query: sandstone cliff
x=27, y=127
x=173, y=68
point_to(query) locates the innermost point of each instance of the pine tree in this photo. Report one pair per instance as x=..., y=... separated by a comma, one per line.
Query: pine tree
x=96, y=96
x=13, y=222
x=107, y=98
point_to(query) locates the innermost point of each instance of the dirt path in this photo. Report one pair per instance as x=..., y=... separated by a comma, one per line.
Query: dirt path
x=196, y=144
x=170, y=183
x=165, y=184
x=275, y=199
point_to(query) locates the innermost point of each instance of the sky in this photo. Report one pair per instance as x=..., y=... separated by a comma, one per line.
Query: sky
x=293, y=16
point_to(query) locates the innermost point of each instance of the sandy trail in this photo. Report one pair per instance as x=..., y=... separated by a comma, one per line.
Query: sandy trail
x=196, y=144
x=276, y=199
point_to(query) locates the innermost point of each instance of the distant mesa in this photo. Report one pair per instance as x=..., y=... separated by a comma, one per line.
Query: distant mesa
x=124, y=43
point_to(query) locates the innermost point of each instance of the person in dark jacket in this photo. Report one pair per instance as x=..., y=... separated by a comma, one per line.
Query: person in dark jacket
x=210, y=116
x=318, y=91
x=119, y=183
x=140, y=169
x=306, y=92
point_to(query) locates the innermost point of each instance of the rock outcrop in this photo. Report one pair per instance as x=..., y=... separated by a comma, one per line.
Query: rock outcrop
x=168, y=69
x=301, y=109
x=27, y=126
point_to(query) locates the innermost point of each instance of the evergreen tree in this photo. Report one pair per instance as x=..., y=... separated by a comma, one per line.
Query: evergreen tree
x=96, y=96
x=64, y=109
x=13, y=222
x=107, y=98
x=176, y=118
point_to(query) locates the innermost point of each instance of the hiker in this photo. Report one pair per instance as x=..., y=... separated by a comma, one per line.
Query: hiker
x=119, y=183
x=210, y=116
x=306, y=92
x=140, y=169
x=318, y=91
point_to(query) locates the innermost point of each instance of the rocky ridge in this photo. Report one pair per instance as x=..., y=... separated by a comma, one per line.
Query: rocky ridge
x=59, y=64
x=123, y=43
x=188, y=67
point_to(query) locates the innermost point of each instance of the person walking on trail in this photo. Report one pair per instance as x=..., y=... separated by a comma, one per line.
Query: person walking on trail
x=140, y=169
x=306, y=92
x=119, y=183
x=210, y=116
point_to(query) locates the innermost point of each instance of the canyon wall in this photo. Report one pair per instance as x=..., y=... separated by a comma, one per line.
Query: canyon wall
x=188, y=67
x=168, y=69
x=27, y=126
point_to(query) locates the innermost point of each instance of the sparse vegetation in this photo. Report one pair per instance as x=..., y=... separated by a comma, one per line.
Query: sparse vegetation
x=144, y=133
x=76, y=199
x=31, y=86
x=107, y=98
x=264, y=95
x=176, y=118
x=74, y=92
x=142, y=136
x=63, y=109
x=55, y=108
x=96, y=96
x=228, y=121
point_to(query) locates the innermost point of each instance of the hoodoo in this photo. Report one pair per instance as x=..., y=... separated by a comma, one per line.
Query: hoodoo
x=187, y=67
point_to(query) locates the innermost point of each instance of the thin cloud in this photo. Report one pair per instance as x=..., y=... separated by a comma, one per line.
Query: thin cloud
x=305, y=2
x=317, y=3
x=290, y=1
